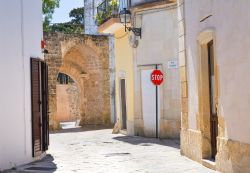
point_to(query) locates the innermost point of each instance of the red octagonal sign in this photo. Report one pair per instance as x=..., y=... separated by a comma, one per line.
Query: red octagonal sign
x=157, y=77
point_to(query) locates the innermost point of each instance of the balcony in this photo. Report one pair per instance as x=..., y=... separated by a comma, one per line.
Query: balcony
x=107, y=17
x=142, y=2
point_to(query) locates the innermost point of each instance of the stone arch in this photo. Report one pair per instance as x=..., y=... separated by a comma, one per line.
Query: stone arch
x=86, y=60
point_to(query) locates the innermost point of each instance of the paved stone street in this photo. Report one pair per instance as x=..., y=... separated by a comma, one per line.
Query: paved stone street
x=99, y=151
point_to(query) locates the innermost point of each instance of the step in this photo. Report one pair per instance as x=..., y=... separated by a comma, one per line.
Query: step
x=124, y=132
x=209, y=163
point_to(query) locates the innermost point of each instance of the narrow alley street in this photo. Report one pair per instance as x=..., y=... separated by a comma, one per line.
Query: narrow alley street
x=99, y=151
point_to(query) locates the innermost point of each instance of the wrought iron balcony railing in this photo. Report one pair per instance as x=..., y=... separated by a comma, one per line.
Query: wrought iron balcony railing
x=106, y=10
x=111, y=8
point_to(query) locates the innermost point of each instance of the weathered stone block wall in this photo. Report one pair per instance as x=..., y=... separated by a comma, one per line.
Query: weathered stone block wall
x=85, y=59
x=233, y=156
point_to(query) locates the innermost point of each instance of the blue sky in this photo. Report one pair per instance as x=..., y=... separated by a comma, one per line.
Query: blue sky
x=62, y=13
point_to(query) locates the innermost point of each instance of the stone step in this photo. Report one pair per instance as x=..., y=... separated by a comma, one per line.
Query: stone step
x=209, y=163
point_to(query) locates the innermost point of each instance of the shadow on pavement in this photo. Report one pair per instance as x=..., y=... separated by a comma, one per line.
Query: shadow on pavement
x=82, y=129
x=45, y=165
x=142, y=141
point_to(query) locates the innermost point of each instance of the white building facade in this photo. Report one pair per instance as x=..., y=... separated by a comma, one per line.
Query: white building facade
x=90, y=11
x=20, y=39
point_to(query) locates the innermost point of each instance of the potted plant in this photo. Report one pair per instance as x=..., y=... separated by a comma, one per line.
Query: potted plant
x=114, y=5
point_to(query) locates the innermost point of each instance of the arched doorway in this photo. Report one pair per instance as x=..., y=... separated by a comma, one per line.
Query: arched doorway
x=85, y=59
x=68, y=101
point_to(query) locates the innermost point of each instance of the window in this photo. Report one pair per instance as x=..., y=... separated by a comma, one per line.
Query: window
x=64, y=79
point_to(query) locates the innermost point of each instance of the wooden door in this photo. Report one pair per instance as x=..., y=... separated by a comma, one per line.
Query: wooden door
x=36, y=107
x=45, y=106
x=39, y=99
x=123, y=104
x=213, y=109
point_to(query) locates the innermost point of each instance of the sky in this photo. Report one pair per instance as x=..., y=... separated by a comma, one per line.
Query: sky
x=62, y=13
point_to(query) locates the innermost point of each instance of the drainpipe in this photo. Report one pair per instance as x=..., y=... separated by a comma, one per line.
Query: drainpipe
x=23, y=73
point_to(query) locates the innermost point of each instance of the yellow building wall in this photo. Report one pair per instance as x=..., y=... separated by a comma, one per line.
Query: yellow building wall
x=124, y=70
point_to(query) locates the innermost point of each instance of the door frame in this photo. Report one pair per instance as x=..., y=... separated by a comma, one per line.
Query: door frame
x=159, y=97
x=203, y=83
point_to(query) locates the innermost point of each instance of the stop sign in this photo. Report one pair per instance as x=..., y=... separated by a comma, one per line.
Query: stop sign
x=157, y=77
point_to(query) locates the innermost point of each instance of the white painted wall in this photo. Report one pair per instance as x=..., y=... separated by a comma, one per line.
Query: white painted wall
x=159, y=45
x=90, y=11
x=230, y=21
x=20, y=37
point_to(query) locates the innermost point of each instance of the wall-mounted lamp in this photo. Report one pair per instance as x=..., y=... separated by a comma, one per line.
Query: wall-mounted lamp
x=125, y=17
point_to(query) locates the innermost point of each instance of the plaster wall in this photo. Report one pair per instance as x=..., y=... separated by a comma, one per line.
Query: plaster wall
x=20, y=38
x=230, y=25
x=124, y=70
x=159, y=45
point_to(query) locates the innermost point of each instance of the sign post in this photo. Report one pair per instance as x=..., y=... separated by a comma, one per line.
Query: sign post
x=157, y=79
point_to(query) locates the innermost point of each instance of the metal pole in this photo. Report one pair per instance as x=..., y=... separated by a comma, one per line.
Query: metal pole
x=157, y=136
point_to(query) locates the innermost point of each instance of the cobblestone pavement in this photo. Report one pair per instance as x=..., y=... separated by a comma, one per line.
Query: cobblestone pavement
x=99, y=151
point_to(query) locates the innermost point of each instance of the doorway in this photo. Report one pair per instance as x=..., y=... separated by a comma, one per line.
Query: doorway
x=150, y=100
x=212, y=97
x=123, y=104
x=68, y=101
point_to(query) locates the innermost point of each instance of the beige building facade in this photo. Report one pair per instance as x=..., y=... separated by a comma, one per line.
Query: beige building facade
x=157, y=109
x=124, y=75
x=214, y=63
x=142, y=108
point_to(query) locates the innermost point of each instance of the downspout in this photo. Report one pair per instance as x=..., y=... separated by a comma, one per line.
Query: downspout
x=24, y=79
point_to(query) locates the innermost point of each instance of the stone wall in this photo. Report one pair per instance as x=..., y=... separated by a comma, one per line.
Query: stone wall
x=85, y=59
x=233, y=156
